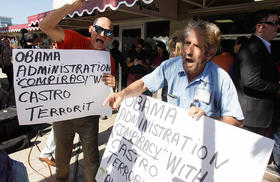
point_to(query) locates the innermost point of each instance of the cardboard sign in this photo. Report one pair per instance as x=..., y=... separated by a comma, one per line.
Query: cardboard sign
x=54, y=85
x=154, y=141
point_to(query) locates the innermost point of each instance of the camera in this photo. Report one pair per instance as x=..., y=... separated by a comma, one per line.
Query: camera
x=28, y=39
x=22, y=41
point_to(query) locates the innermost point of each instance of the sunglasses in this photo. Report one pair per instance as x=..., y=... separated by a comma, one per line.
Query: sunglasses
x=273, y=23
x=99, y=30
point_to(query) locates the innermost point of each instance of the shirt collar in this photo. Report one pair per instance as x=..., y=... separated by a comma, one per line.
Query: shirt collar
x=266, y=43
x=181, y=71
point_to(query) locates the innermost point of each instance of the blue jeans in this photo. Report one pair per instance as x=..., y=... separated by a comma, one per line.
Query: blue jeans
x=20, y=172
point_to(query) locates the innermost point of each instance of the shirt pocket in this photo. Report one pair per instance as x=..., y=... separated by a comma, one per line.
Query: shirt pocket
x=172, y=99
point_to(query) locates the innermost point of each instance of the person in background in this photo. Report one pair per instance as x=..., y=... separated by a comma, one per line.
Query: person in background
x=48, y=150
x=32, y=41
x=1, y=55
x=101, y=33
x=178, y=49
x=225, y=59
x=2, y=43
x=46, y=154
x=255, y=75
x=43, y=45
x=14, y=43
x=54, y=45
x=161, y=56
x=192, y=79
x=171, y=44
x=175, y=47
x=118, y=57
x=7, y=63
x=239, y=42
x=137, y=62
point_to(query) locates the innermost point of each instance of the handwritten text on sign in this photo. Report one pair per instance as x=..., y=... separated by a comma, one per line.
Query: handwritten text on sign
x=155, y=141
x=54, y=85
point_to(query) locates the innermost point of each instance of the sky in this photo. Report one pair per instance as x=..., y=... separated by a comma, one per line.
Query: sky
x=19, y=10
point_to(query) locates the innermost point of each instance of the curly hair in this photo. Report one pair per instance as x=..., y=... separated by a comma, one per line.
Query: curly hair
x=209, y=32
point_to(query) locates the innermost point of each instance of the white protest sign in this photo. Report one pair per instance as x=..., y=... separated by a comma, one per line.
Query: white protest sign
x=54, y=85
x=155, y=141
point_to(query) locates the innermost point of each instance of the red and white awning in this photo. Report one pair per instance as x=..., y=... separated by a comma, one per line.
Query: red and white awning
x=89, y=7
x=13, y=28
x=35, y=19
x=101, y=6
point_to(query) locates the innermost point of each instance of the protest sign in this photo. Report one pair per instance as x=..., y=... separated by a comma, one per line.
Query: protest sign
x=54, y=85
x=155, y=141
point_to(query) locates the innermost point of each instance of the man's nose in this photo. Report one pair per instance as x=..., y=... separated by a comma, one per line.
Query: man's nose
x=189, y=50
x=102, y=33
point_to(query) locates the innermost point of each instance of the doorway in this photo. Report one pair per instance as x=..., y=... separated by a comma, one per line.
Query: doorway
x=128, y=36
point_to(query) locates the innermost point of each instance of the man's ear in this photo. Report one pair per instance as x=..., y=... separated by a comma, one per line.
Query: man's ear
x=90, y=29
x=259, y=27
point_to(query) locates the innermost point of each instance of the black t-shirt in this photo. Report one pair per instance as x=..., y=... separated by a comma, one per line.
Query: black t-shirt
x=143, y=56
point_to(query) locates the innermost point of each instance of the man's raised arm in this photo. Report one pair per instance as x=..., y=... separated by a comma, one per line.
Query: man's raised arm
x=49, y=24
x=135, y=89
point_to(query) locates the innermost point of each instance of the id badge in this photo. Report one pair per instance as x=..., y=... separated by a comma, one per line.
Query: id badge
x=202, y=95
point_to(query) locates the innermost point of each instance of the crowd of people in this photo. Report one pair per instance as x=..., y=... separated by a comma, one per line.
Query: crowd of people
x=238, y=87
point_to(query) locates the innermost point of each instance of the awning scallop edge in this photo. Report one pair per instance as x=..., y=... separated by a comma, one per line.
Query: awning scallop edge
x=89, y=8
x=101, y=6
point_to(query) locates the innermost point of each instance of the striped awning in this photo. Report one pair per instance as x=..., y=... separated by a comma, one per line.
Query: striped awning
x=88, y=8
x=101, y=6
x=13, y=28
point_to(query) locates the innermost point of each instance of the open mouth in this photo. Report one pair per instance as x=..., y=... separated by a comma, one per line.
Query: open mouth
x=99, y=41
x=188, y=60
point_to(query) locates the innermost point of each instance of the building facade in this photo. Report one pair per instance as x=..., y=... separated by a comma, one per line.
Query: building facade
x=5, y=21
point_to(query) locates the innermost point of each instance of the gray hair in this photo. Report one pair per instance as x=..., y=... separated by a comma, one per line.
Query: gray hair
x=209, y=32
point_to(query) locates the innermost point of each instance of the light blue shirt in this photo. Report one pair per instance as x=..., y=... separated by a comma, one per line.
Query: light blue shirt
x=223, y=99
x=266, y=43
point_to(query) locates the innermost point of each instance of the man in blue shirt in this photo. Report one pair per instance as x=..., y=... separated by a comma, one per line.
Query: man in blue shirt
x=194, y=81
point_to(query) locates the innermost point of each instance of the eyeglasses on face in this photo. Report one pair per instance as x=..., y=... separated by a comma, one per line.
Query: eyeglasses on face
x=272, y=23
x=99, y=30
